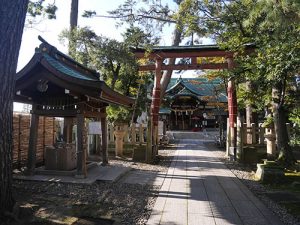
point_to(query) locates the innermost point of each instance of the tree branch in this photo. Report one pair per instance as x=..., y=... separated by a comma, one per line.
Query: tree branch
x=137, y=17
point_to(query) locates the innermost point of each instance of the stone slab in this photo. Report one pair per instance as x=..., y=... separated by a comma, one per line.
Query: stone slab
x=98, y=173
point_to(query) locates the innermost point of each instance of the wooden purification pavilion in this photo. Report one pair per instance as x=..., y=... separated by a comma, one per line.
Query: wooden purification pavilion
x=58, y=86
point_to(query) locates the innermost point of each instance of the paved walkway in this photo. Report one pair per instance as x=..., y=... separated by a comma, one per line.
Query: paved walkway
x=199, y=190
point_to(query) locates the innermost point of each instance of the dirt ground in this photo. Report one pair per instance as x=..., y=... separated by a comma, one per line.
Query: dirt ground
x=40, y=203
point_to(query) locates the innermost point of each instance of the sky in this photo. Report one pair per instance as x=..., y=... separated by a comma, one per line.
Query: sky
x=50, y=29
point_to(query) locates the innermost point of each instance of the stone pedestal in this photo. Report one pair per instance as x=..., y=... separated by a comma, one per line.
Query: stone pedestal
x=139, y=153
x=270, y=172
x=249, y=155
x=119, y=134
x=61, y=157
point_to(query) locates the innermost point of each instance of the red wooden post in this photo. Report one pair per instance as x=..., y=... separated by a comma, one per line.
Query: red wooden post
x=155, y=105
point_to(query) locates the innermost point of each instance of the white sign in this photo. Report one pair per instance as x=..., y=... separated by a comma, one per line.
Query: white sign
x=94, y=128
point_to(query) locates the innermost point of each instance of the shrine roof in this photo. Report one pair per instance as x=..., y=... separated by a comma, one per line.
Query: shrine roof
x=66, y=70
x=201, y=87
x=181, y=48
x=62, y=78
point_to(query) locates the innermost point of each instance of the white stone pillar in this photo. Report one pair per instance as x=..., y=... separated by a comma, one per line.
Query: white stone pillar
x=126, y=135
x=253, y=131
x=261, y=132
x=119, y=134
x=141, y=134
x=271, y=142
x=111, y=133
x=227, y=137
x=133, y=134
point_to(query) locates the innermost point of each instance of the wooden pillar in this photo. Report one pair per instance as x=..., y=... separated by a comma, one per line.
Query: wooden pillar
x=232, y=109
x=81, y=154
x=104, y=139
x=34, y=123
x=68, y=129
x=155, y=105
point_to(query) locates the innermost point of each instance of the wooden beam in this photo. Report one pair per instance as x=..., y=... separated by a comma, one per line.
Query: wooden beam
x=93, y=114
x=32, y=143
x=185, y=54
x=209, y=66
x=56, y=112
x=68, y=129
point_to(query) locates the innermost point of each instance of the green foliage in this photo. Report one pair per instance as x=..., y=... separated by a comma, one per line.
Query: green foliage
x=37, y=8
x=88, y=14
x=294, y=117
x=269, y=121
x=115, y=62
x=118, y=114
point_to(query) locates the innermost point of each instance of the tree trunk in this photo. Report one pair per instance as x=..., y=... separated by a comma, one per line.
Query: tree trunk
x=74, y=14
x=12, y=19
x=165, y=80
x=73, y=25
x=285, y=152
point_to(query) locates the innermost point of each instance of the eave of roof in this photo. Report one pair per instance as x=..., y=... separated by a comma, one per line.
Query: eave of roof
x=45, y=62
x=186, y=48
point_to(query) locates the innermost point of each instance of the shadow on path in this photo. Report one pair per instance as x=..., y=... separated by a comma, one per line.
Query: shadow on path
x=199, y=189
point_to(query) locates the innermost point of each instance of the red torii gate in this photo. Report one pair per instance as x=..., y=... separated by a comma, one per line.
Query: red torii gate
x=159, y=54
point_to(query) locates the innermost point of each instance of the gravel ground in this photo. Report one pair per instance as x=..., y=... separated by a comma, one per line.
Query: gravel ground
x=126, y=203
x=246, y=175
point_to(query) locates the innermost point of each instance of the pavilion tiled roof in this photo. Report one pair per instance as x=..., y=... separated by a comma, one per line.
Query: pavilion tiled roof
x=66, y=70
x=62, y=74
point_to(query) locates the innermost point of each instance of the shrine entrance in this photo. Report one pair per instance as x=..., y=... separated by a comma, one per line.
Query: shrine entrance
x=195, y=103
x=192, y=54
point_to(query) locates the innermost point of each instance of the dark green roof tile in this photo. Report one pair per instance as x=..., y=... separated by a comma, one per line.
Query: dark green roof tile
x=66, y=70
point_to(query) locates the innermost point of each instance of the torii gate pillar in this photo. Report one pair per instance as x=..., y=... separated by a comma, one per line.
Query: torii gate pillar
x=155, y=104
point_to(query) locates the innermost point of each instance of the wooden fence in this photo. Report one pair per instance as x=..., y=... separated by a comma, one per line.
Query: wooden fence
x=21, y=131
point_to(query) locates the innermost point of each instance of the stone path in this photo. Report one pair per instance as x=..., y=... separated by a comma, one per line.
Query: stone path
x=198, y=190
